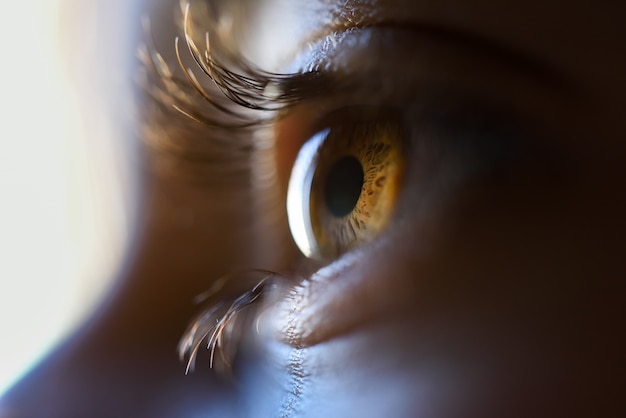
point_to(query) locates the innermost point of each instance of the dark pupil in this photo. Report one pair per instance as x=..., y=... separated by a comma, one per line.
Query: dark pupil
x=343, y=186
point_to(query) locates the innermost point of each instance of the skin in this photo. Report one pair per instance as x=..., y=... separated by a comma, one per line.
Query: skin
x=501, y=295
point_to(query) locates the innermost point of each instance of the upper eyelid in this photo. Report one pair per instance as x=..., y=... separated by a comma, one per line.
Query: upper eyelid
x=318, y=53
x=346, y=16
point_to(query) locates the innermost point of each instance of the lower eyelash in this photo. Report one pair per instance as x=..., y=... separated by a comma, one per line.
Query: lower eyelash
x=224, y=324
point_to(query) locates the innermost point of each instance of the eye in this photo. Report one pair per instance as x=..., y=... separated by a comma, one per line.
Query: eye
x=345, y=181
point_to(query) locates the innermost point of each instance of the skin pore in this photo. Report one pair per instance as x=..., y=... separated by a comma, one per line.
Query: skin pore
x=496, y=288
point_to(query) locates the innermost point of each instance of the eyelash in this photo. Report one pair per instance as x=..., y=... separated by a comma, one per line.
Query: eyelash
x=227, y=314
x=245, y=101
x=250, y=88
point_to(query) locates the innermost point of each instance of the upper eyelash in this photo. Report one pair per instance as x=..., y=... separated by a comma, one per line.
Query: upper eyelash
x=221, y=140
x=238, y=100
x=250, y=88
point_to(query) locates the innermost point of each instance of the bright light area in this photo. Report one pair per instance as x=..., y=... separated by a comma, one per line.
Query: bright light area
x=298, y=194
x=61, y=231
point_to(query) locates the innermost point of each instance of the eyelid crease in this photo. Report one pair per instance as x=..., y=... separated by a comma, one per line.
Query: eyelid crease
x=522, y=61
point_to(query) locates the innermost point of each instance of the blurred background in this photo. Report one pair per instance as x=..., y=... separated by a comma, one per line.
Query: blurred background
x=68, y=182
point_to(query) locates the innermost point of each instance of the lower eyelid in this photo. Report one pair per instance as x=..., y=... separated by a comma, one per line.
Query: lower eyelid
x=357, y=289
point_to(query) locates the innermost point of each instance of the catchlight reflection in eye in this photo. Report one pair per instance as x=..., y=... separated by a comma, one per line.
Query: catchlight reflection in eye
x=344, y=184
x=299, y=194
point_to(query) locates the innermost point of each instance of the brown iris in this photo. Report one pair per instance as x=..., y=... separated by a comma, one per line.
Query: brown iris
x=350, y=183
